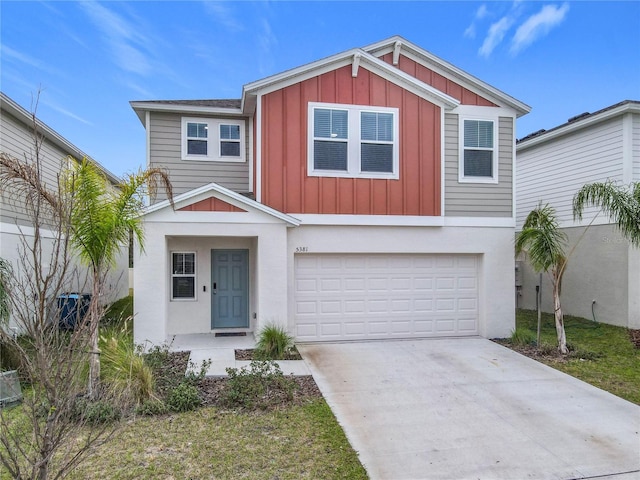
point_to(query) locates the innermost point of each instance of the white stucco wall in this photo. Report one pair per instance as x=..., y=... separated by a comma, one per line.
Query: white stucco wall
x=158, y=318
x=494, y=247
x=603, y=267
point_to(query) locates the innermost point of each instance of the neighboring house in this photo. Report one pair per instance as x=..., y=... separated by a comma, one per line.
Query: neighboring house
x=602, y=281
x=17, y=139
x=367, y=195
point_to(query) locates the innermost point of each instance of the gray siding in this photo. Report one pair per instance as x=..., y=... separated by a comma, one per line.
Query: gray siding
x=17, y=140
x=478, y=199
x=165, y=132
x=553, y=171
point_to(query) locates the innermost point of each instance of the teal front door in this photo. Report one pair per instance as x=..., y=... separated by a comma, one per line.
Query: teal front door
x=229, y=289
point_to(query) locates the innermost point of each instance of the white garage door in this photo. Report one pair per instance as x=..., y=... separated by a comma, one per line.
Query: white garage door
x=357, y=296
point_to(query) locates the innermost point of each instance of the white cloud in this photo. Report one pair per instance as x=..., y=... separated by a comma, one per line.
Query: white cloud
x=496, y=34
x=481, y=12
x=223, y=14
x=538, y=25
x=266, y=42
x=9, y=54
x=64, y=111
x=125, y=39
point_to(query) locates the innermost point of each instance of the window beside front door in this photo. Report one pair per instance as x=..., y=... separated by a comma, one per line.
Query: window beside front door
x=183, y=276
x=353, y=141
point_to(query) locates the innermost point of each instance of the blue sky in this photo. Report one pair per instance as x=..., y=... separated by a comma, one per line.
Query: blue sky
x=89, y=59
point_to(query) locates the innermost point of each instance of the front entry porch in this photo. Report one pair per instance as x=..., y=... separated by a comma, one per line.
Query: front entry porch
x=221, y=351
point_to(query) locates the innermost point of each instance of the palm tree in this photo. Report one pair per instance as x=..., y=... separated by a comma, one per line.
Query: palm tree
x=102, y=220
x=621, y=203
x=544, y=243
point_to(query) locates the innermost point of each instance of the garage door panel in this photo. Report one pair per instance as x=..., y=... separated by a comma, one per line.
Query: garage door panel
x=354, y=296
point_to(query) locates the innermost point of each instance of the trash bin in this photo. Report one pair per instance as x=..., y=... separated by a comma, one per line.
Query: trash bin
x=10, y=391
x=73, y=307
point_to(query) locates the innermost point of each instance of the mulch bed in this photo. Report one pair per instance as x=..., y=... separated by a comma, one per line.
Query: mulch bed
x=532, y=351
x=634, y=335
x=210, y=387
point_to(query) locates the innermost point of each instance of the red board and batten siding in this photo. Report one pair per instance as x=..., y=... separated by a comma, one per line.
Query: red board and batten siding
x=422, y=73
x=285, y=184
x=211, y=204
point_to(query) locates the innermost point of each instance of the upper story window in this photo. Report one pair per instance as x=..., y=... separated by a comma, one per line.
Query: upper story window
x=353, y=141
x=478, y=152
x=212, y=139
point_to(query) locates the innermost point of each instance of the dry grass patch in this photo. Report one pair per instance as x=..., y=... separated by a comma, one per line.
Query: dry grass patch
x=302, y=441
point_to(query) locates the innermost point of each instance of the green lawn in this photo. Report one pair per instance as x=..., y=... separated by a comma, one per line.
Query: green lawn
x=605, y=356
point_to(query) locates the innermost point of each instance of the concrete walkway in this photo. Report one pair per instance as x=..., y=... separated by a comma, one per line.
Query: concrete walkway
x=221, y=352
x=472, y=409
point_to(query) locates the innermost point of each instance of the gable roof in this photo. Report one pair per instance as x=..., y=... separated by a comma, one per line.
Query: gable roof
x=229, y=107
x=366, y=57
x=398, y=44
x=10, y=106
x=356, y=57
x=579, y=122
x=229, y=196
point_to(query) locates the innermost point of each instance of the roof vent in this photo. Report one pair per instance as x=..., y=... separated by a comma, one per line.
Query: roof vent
x=531, y=135
x=578, y=117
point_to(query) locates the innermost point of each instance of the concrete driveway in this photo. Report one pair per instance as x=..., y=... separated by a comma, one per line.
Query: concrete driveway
x=472, y=409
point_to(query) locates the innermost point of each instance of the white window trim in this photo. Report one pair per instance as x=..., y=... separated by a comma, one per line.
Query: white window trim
x=213, y=140
x=194, y=275
x=354, y=142
x=462, y=178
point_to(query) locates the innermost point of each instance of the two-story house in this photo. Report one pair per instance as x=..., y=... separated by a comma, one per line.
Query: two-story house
x=366, y=195
x=602, y=280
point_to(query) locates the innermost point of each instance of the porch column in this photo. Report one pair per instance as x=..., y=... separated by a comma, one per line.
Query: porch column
x=150, y=288
x=272, y=276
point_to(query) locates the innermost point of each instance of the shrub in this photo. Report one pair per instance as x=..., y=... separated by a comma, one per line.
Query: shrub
x=183, y=398
x=97, y=412
x=119, y=312
x=124, y=367
x=152, y=407
x=261, y=385
x=274, y=343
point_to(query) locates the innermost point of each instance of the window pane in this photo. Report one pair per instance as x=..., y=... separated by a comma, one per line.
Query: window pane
x=177, y=263
x=322, y=123
x=230, y=132
x=368, y=126
x=197, y=147
x=376, y=126
x=376, y=158
x=330, y=123
x=339, y=121
x=230, y=149
x=478, y=163
x=385, y=127
x=478, y=134
x=198, y=130
x=329, y=155
x=189, y=263
x=183, y=287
